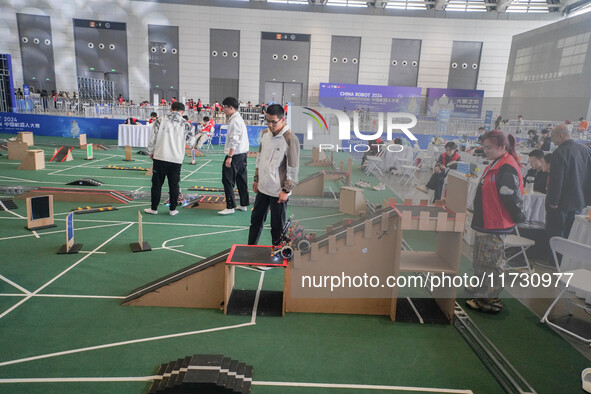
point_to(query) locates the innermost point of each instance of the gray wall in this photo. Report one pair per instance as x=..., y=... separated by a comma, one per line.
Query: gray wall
x=164, y=61
x=464, y=65
x=224, y=64
x=36, y=46
x=285, y=58
x=549, y=72
x=344, y=59
x=111, y=55
x=405, y=56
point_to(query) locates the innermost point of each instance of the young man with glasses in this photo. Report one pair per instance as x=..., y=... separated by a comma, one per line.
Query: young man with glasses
x=275, y=176
x=236, y=150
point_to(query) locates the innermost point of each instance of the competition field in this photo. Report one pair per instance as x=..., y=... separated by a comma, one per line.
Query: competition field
x=64, y=330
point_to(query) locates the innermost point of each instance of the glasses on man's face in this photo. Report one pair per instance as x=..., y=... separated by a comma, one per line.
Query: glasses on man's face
x=272, y=122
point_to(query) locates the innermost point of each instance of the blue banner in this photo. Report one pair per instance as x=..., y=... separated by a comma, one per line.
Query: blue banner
x=462, y=103
x=372, y=98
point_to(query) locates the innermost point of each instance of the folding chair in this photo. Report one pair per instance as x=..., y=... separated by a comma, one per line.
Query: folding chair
x=223, y=134
x=517, y=241
x=207, y=142
x=374, y=162
x=409, y=170
x=579, y=282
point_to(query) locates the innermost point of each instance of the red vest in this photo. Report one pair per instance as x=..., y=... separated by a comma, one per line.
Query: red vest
x=496, y=216
x=455, y=157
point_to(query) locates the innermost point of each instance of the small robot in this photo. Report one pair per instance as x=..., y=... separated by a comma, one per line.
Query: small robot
x=182, y=201
x=292, y=237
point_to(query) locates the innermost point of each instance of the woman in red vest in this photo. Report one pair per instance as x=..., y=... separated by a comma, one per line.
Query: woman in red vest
x=497, y=209
x=437, y=180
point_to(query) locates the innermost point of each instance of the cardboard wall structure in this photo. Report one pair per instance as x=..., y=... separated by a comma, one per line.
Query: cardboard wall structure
x=351, y=201
x=26, y=137
x=34, y=160
x=78, y=195
x=17, y=150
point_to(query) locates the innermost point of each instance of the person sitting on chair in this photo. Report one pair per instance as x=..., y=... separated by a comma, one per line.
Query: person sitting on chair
x=436, y=181
x=373, y=150
x=206, y=131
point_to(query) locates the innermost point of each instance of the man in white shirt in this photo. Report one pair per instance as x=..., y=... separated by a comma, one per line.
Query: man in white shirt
x=166, y=148
x=275, y=176
x=236, y=150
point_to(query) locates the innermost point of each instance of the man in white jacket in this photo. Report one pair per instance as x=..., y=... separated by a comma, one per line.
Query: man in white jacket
x=168, y=137
x=236, y=150
x=275, y=176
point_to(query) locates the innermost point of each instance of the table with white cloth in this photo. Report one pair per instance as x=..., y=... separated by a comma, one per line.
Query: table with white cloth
x=134, y=135
x=395, y=159
x=579, y=232
x=534, y=207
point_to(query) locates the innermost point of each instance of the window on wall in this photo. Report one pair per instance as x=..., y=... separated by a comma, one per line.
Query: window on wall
x=528, y=6
x=407, y=5
x=466, y=5
x=347, y=3
x=574, y=52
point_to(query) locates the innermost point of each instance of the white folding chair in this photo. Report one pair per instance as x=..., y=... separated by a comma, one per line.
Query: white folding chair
x=576, y=278
x=373, y=162
x=522, y=243
x=207, y=142
x=409, y=170
x=223, y=134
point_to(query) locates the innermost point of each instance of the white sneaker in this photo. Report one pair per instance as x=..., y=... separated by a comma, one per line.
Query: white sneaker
x=227, y=211
x=241, y=208
x=423, y=189
x=362, y=184
x=380, y=186
x=175, y=212
x=151, y=211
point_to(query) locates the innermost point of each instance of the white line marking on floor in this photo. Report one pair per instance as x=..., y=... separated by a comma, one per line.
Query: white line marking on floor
x=256, y=298
x=197, y=169
x=123, y=343
x=61, y=231
x=89, y=251
x=361, y=387
x=61, y=274
x=5, y=279
x=78, y=296
x=254, y=383
x=35, y=234
x=80, y=165
x=15, y=214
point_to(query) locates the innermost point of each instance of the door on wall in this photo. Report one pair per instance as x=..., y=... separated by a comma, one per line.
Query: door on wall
x=283, y=92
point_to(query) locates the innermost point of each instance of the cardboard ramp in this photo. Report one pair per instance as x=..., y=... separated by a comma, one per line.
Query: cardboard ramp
x=200, y=285
x=78, y=195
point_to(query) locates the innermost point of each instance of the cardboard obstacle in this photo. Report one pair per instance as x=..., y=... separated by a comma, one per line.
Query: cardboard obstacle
x=82, y=141
x=200, y=285
x=128, y=153
x=25, y=137
x=140, y=245
x=79, y=195
x=351, y=201
x=252, y=154
x=203, y=373
x=311, y=186
x=39, y=212
x=210, y=202
x=34, y=160
x=64, y=153
x=89, y=152
x=191, y=151
x=319, y=159
x=17, y=150
x=70, y=247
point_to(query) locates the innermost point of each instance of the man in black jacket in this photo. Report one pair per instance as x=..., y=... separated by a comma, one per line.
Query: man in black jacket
x=569, y=186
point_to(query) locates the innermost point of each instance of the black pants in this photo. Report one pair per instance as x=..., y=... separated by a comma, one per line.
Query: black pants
x=235, y=174
x=262, y=204
x=436, y=183
x=161, y=170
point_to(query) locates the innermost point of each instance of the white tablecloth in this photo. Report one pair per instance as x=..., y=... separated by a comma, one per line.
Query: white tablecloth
x=533, y=207
x=580, y=232
x=134, y=135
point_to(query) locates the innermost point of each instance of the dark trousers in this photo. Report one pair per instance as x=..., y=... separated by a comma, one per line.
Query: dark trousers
x=262, y=204
x=235, y=174
x=161, y=170
x=559, y=223
x=436, y=183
